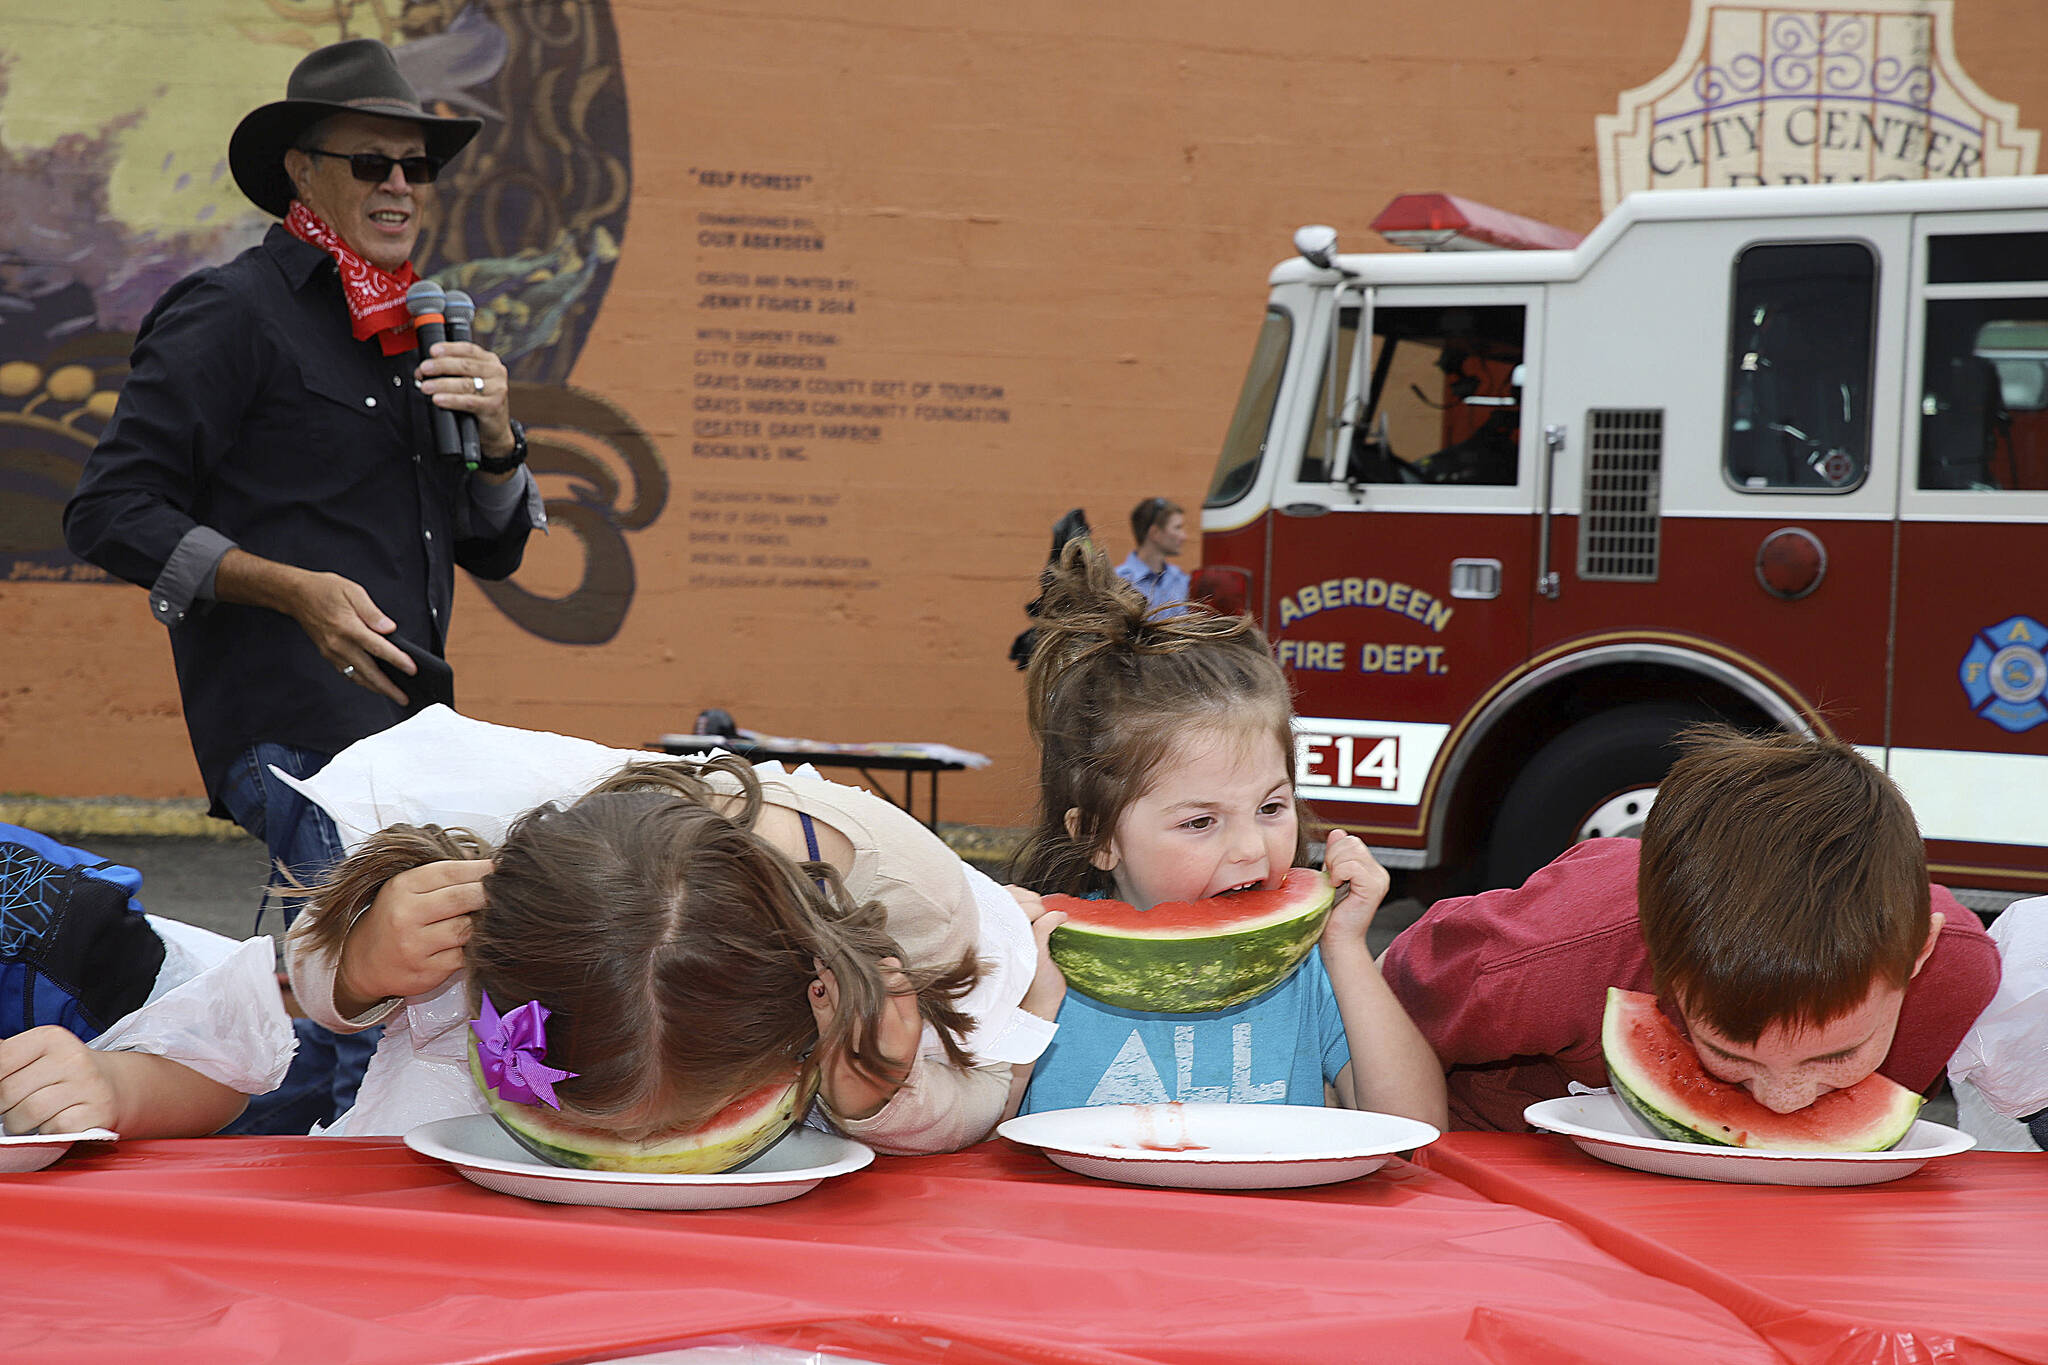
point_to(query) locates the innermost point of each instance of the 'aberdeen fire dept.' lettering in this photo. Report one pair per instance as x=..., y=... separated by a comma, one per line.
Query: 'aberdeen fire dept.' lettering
x=1400, y=598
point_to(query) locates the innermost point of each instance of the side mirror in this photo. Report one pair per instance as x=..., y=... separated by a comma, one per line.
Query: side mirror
x=1317, y=244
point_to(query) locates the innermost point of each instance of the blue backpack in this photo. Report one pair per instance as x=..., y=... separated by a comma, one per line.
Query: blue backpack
x=75, y=949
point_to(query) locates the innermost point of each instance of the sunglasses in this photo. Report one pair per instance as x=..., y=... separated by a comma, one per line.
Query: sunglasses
x=375, y=167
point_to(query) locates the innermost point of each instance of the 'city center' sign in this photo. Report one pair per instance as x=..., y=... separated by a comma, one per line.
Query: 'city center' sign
x=1797, y=94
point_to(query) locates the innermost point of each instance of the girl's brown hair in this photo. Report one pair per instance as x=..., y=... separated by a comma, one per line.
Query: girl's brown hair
x=672, y=946
x=1111, y=688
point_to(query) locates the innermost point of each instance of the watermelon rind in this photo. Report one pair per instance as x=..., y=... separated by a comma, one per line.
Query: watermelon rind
x=1194, y=971
x=1658, y=1075
x=719, y=1145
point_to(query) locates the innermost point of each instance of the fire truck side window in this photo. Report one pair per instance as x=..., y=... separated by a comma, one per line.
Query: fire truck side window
x=1444, y=404
x=1799, y=367
x=1984, y=395
x=1244, y=445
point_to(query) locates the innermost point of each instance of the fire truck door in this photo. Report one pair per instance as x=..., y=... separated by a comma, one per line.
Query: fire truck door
x=1968, y=739
x=1402, y=554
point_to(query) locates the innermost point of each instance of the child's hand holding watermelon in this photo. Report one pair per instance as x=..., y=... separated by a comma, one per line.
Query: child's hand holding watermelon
x=1361, y=885
x=1403, y=1076
x=1048, y=984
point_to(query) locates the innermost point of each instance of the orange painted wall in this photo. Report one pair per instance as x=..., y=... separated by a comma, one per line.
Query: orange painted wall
x=1072, y=202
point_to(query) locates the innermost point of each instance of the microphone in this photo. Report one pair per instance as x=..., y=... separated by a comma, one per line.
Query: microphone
x=423, y=301
x=458, y=308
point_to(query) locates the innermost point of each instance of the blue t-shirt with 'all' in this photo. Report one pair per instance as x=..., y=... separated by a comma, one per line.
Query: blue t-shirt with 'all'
x=1277, y=1048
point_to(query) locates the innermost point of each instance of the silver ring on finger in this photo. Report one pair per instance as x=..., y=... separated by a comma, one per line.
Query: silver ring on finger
x=349, y=671
x=477, y=380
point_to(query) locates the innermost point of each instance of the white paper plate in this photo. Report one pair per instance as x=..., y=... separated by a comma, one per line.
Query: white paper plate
x=483, y=1152
x=1218, y=1146
x=37, y=1150
x=1604, y=1126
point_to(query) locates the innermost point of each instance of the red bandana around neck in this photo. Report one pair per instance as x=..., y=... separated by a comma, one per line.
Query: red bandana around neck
x=376, y=297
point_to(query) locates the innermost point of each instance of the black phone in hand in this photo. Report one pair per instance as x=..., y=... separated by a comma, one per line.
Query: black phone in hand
x=432, y=681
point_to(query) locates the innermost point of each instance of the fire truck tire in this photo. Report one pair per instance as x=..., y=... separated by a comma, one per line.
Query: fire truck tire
x=1585, y=767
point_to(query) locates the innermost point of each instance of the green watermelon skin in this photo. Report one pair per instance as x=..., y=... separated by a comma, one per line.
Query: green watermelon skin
x=735, y=1135
x=1190, y=957
x=1658, y=1074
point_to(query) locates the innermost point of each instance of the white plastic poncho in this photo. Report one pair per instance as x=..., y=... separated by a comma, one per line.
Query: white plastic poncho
x=215, y=1007
x=2005, y=1053
x=441, y=768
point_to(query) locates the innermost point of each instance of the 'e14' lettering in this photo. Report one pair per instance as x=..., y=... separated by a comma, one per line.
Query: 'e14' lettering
x=1372, y=761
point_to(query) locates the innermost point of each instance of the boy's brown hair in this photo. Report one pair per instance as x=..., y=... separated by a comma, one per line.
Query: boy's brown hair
x=1782, y=876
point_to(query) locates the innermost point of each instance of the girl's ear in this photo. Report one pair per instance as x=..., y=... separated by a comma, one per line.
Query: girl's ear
x=1103, y=858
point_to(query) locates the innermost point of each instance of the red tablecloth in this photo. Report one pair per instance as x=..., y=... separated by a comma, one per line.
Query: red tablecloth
x=1949, y=1264
x=332, y=1250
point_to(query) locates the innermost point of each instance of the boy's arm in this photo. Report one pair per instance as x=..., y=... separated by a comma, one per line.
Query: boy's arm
x=1952, y=989
x=50, y=1081
x=1523, y=972
x=1392, y=1070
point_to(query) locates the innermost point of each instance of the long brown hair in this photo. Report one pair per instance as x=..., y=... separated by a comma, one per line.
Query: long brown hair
x=672, y=945
x=1111, y=687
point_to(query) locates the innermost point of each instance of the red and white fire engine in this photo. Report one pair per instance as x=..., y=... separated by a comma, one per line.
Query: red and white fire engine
x=1780, y=456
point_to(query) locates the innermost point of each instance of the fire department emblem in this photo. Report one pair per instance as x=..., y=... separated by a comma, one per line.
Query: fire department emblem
x=2004, y=674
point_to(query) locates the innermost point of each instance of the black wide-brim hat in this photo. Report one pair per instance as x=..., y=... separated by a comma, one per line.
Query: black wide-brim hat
x=353, y=77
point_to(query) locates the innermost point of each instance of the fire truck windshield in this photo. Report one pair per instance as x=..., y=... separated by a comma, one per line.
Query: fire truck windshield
x=1245, y=443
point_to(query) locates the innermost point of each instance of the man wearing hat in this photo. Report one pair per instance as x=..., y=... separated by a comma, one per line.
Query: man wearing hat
x=270, y=472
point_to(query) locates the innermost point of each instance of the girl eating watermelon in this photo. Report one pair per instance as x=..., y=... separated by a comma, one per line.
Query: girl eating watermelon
x=681, y=945
x=1167, y=782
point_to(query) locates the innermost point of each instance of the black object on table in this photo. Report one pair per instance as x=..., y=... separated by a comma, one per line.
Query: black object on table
x=848, y=756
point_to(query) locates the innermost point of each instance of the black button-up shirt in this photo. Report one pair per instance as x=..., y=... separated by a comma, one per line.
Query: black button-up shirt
x=252, y=418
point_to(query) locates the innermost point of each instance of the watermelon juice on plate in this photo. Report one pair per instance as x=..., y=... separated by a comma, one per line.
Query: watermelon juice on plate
x=1218, y=1146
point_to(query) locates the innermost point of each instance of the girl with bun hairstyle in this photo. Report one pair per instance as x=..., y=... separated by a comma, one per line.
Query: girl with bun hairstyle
x=1166, y=773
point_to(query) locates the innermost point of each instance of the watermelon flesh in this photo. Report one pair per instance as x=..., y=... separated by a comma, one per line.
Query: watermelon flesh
x=735, y=1134
x=1185, y=957
x=1658, y=1073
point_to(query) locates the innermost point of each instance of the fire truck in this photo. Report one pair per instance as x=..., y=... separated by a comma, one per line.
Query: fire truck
x=1778, y=457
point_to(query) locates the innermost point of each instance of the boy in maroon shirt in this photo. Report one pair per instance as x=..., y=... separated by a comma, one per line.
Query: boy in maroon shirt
x=1778, y=905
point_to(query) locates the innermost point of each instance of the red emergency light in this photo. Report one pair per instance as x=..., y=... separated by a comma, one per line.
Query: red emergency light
x=1444, y=222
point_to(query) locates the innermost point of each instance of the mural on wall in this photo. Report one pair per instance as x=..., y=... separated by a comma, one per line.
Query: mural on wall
x=114, y=184
x=1810, y=92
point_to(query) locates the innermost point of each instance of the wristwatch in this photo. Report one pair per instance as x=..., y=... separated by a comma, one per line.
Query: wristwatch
x=507, y=463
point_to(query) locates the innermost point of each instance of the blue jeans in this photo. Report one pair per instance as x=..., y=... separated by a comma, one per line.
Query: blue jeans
x=303, y=845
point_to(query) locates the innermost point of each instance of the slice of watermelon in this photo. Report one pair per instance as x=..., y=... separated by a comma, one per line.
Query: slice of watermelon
x=743, y=1129
x=1659, y=1074
x=1181, y=957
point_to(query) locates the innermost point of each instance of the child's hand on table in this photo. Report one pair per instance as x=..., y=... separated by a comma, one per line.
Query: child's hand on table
x=409, y=941
x=50, y=1082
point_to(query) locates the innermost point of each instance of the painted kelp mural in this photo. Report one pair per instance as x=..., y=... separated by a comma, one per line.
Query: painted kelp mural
x=114, y=184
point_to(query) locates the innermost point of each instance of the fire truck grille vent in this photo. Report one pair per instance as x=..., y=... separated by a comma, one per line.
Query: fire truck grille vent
x=1624, y=463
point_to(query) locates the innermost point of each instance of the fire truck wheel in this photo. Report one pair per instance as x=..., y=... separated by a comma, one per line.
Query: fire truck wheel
x=1586, y=779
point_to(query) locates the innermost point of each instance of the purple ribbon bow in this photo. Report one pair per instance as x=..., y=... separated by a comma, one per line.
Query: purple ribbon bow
x=510, y=1049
